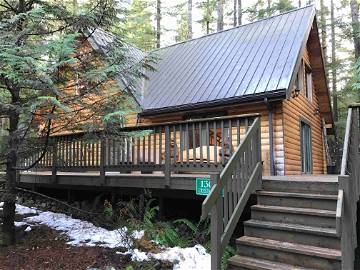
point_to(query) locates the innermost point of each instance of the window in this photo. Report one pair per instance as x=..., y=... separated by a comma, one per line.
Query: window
x=308, y=83
x=306, y=152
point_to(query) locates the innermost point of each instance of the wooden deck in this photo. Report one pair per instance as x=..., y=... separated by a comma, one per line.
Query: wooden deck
x=112, y=179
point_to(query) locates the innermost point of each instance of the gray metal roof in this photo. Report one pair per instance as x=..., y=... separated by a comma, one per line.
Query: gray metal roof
x=256, y=59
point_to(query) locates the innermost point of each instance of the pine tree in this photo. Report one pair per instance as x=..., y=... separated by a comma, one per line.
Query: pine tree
x=323, y=27
x=158, y=23
x=234, y=13
x=207, y=8
x=182, y=30
x=138, y=25
x=189, y=17
x=220, y=15
x=333, y=62
x=240, y=12
x=41, y=57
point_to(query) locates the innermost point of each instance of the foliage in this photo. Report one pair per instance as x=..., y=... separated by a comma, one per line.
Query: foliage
x=138, y=25
x=207, y=8
x=228, y=252
x=182, y=24
x=51, y=79
x=260, y=11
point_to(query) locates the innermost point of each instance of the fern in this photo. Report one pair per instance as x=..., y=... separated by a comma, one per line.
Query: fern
x=228, y=252
x=194, y=228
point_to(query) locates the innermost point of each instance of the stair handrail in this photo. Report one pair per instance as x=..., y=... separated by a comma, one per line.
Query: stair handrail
x=231, y=190
x=349, y=188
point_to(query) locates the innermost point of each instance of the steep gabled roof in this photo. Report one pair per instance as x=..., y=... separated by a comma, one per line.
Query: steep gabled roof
x=248, y=62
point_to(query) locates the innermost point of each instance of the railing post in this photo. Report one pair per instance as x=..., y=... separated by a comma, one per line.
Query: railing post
x=347, y=241
x=216, y=228
x=102, y=160
x=54, y=164
x=167, y=172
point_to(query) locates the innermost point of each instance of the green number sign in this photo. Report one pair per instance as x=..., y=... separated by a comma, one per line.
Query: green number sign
x=203, y=186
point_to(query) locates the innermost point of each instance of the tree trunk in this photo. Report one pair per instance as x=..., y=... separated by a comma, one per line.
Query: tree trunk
x=269, y=7
x=190, y=32
x=235, y=10
x=10, y=192
x=240, y=12
x=356, y=30
x=333, y=63
x=299, y=3
x=158, y=19
x=220, y=15
x=355, y=26
x=208, y=17
x=323, y=34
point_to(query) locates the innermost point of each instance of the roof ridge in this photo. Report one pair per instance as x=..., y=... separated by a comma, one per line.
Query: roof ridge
x=232, y=28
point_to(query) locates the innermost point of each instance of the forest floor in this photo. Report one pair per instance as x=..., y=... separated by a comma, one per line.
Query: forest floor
x=45, y=248
x=48, y=240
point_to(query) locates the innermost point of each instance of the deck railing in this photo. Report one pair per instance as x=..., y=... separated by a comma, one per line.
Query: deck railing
x=349, y=188
x=231, y=190
x=201, y=145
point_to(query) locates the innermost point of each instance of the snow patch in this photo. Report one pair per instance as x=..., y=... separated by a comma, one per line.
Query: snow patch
x=83, y=233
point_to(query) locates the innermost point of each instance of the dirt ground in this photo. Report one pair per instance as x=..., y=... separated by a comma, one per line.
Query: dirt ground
x=44, y=248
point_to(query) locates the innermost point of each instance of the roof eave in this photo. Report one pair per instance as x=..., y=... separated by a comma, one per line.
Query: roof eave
x=269, y=96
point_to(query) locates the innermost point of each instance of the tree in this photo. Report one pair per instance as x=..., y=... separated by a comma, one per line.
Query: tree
x=182, y=30
x=268, y=9
x=240, y=12
x=323, y=26
x=208, y=8
x=50, y=80
x=355, y=30
x=259, y=11
x=189, y=17
x=234, y=13
x=220, y=15
x=333, y=62
x=138, y=25
x=158, y=23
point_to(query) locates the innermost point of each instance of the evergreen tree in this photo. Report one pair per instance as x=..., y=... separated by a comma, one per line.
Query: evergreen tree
x=158, y=23
x=333, y=62
x=240, y=12
x=138, y=25
x=220, y=15
x=48, y=76
x=182, y=31
x=207, y=9
x=189, y=18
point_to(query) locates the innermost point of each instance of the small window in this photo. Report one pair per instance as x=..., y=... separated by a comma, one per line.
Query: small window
x=308, y=83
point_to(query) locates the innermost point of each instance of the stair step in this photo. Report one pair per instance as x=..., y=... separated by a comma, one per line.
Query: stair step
x=244, y=262
x=301, y=200
x=295, y=233
x=294, y=215
x=301, y=185
x=286, y=252
x=332, y=254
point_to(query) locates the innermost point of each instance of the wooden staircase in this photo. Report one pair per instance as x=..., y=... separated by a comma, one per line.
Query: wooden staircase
x=293, y=226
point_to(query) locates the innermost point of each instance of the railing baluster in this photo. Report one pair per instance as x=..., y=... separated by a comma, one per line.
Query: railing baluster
x=187, y=143
x=154, y=146
x=222, y=142
x=167, y=156
x=200, y=144
x=207, y=143
x=181, y=144
x=194, y=142
x=215, y=143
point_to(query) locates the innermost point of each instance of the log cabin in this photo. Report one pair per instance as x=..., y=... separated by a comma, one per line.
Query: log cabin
x=248, y=108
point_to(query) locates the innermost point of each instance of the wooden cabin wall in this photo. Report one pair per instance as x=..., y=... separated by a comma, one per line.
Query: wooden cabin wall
x=294, y=110
x=246, y=109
